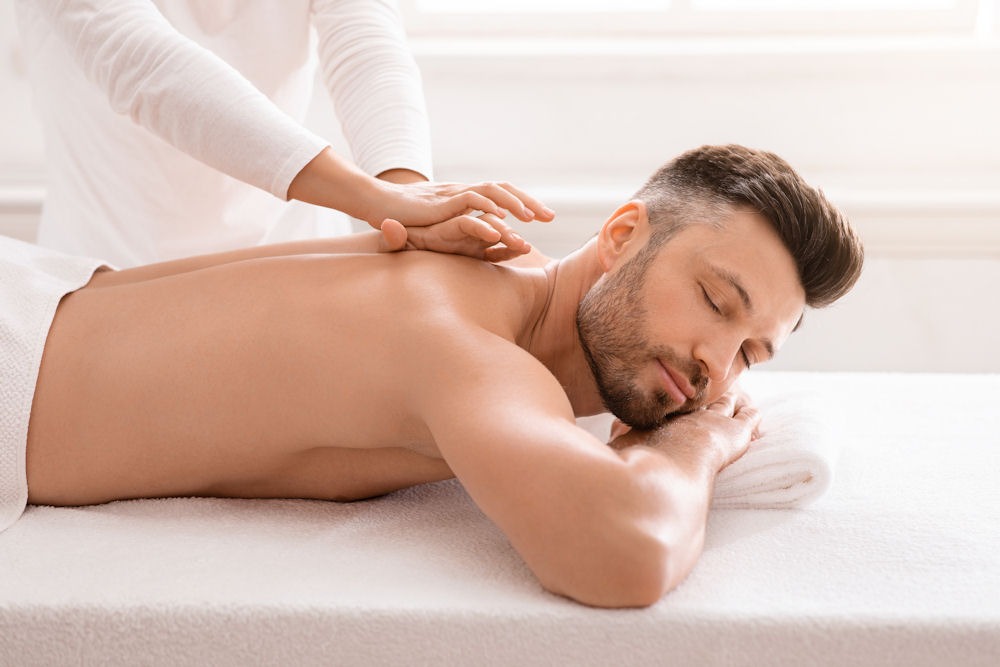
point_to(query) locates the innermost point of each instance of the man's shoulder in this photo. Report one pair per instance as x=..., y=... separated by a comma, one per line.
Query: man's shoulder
x=466, y=319
x=476, y=293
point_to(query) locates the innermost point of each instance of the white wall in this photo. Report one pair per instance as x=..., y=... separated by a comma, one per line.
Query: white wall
x=902, y=132
x=907, y=141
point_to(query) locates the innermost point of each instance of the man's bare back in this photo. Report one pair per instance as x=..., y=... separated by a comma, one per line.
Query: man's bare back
x=274, y=377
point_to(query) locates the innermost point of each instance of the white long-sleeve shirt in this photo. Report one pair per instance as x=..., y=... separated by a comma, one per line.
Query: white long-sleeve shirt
x=174, y=127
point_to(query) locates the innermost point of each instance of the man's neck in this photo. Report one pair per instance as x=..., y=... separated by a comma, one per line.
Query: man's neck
x=552, y=337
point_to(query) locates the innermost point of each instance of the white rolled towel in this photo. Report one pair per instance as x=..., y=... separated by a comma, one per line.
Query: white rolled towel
x=790, y=465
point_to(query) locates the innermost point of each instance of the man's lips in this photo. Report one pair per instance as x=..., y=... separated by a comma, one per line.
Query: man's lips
x=678, y=386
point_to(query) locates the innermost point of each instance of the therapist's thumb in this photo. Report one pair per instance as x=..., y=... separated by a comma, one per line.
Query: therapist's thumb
x=393, y=237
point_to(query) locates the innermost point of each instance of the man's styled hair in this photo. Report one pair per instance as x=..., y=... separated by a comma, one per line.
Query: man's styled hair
x=703, y=184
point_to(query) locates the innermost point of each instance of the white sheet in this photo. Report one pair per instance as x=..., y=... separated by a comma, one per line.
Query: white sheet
x=896, y=565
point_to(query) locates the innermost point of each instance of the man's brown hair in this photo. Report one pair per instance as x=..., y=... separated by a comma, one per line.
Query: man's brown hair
x=701, y=185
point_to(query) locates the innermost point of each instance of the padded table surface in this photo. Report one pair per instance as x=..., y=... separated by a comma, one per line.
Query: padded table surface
x=898, y=564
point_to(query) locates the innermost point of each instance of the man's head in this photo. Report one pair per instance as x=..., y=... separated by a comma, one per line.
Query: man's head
x=707, y=271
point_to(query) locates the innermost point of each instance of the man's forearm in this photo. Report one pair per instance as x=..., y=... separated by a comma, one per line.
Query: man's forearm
x=682, y=487
x=671, y=475
x=364, y=242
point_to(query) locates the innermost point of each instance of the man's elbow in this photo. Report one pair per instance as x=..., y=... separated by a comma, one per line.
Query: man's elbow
x=635, y=576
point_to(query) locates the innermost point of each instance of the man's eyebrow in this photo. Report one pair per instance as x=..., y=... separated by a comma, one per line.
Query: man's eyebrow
x=734, y=281
x=736, y=284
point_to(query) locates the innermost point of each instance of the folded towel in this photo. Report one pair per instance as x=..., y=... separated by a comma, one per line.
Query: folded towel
x=789, y=465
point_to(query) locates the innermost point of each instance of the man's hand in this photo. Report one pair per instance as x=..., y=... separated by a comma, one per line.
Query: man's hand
x=484, y=237
x=718, y=434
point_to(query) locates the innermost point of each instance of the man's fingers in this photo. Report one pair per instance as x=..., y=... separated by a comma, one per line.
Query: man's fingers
x=751, y=416
x=618, y=428
x=742, y=398
x=726, y=404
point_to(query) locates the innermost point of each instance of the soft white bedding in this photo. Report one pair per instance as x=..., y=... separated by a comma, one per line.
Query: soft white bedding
x=898, y=564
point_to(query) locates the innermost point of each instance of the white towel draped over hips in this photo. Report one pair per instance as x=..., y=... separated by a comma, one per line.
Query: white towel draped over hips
x=174, y=127
x=32, y=281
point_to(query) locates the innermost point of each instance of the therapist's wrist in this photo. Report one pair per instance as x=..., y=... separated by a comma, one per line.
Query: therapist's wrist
x=331, y=181
x=402, y=176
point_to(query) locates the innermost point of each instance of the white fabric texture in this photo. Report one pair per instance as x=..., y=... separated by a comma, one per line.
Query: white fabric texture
x=174, y=127
x=790, y=465
x=895, y=565
x=32, y=281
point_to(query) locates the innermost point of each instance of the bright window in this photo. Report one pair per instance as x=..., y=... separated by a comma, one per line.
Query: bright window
x=590, y=18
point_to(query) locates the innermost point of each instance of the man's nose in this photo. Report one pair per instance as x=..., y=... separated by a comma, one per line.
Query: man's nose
x=717, y=356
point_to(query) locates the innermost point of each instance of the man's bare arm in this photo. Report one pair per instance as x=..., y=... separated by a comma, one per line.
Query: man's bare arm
x=692, y=449
x=476, y=234
x=393, y=239
x=607, y=527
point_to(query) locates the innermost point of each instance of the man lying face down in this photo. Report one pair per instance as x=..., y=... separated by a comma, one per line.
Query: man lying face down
x=313, y=370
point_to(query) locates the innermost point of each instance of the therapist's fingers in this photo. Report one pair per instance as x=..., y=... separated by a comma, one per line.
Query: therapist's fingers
x=483, y=236
x=496, y=241
x=502, y=253
x=508, y=237
x=521, y=204
x=471, y=200
x=430, y=203
x=475, y=225
x=535, y=207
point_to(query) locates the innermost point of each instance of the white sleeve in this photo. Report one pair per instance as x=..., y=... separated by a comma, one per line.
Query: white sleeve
x=375, y=84
x=182, y=92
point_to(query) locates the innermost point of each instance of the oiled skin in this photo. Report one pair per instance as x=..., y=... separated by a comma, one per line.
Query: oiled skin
x=214, y=382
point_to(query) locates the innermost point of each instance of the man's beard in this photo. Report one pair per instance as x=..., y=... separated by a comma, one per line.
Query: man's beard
x=610, y=322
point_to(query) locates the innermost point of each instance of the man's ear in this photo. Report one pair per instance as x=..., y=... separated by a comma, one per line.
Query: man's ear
x=623, y=234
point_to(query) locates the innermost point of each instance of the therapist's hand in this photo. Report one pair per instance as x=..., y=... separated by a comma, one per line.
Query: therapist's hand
x=406, y=196
x=402, y=195
x=481, y=236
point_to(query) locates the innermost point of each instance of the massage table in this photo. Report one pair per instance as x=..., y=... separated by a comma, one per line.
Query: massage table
x=897, y=563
